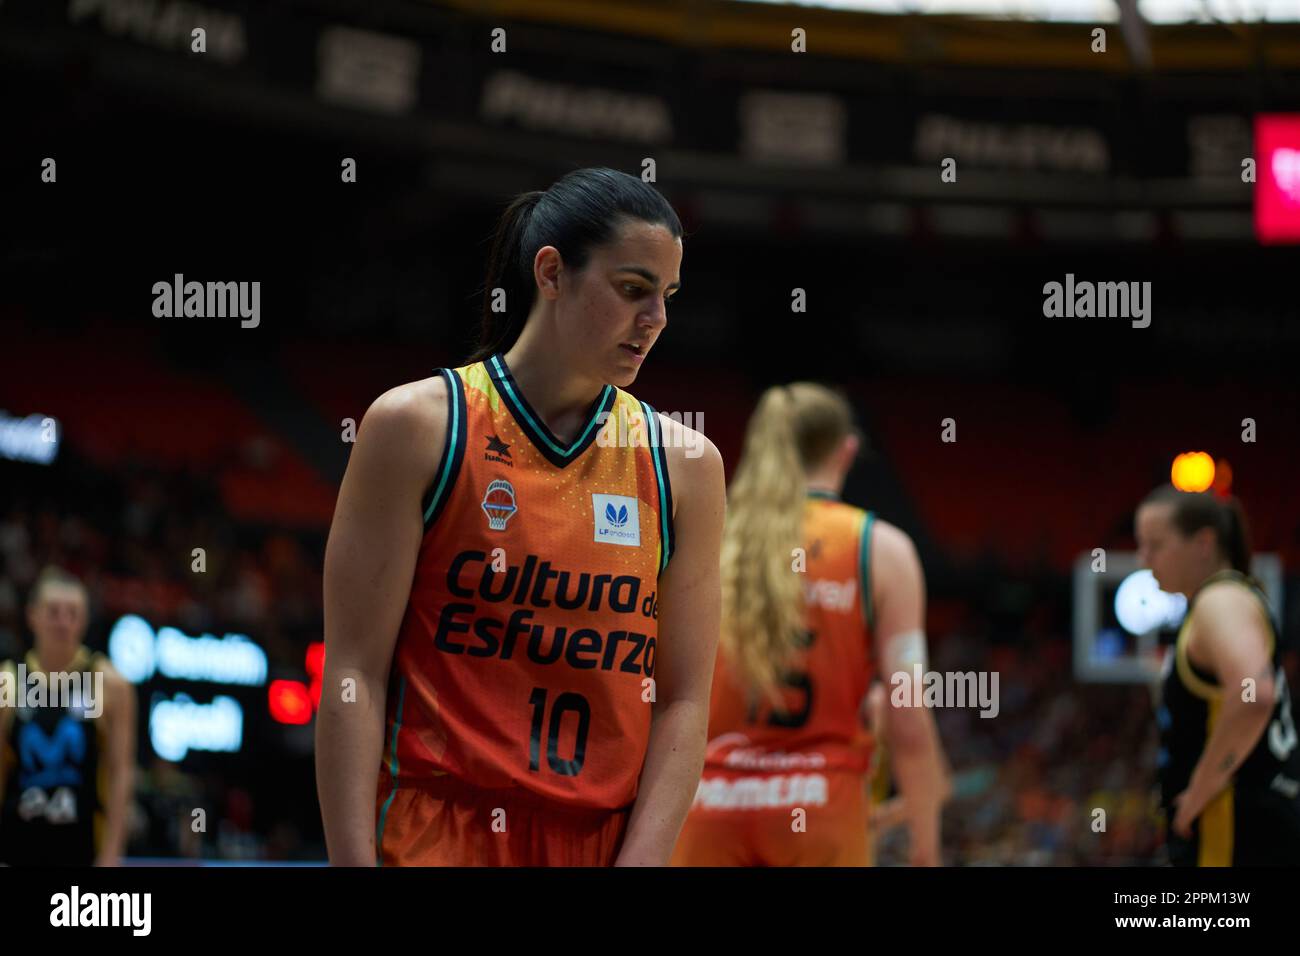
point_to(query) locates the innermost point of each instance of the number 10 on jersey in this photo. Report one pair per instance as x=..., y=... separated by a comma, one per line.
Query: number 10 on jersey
x=564, y=703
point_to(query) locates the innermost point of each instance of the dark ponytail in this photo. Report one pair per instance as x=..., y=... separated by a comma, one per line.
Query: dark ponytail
x=498, y=328
x=578, y=213
x=1195, y=510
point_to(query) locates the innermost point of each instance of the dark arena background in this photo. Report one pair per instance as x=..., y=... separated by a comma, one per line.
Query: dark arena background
x=881, y=211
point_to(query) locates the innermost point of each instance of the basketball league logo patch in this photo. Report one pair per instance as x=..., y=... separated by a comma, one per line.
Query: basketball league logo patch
x=499, y=504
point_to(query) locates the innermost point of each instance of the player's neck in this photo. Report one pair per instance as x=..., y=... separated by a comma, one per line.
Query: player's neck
x=51, y=662
x=1217, y=568
x=825, y=482
x=554, y=392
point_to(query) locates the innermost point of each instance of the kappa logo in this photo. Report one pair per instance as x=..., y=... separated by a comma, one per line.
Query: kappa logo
x=618, y=520
x=499, y=504
x=498, y=451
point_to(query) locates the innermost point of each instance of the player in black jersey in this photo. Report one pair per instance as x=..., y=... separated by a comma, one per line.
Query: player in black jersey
x=1229, y=763
x=67, y=739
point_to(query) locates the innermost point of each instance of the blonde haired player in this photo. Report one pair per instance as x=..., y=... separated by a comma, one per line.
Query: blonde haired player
x=818, y=596
x=67, y=766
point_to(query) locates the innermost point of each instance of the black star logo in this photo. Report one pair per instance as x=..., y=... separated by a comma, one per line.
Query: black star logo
x=497, y=446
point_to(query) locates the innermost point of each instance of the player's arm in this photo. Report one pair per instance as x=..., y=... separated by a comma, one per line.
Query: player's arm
x=898, y=592
x=369, y=564
x=889, y=812
x=1231, y=638
x=119, y=717
x=690, y=615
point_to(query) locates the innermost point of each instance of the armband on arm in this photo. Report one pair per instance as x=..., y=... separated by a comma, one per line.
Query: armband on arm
x=902, y=652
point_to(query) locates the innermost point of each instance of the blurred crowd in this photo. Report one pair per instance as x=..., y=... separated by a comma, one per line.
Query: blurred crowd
x=132, y=538
x=1063, y=775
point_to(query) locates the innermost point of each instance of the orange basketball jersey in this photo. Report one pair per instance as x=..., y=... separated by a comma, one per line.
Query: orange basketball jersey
x=524, y=657
x=819, y=729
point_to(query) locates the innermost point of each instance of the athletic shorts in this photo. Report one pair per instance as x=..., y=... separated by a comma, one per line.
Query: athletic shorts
x=446, y=822
x=832, y=832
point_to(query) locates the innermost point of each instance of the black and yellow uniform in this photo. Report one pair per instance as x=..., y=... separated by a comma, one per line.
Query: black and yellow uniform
x=1255, y=820
x=52, y=762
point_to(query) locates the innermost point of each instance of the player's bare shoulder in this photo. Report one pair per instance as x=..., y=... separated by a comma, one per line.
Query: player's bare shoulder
x=894, y=559
x=692, y=458
x=407, y=425
x=1223, y=610
x=1227, y=595
x=113, y=679
x=116, y=687
x=890, y=543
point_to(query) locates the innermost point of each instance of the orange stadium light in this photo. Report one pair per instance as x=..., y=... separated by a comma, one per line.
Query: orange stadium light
x=1192, y=471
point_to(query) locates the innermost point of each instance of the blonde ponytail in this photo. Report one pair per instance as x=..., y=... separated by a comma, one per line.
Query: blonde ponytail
x=793, y=428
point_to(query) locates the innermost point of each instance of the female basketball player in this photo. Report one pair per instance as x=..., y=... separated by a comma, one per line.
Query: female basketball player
x=816, y=594
x=521, y=581
x=1229, y=767
x=67, y=764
